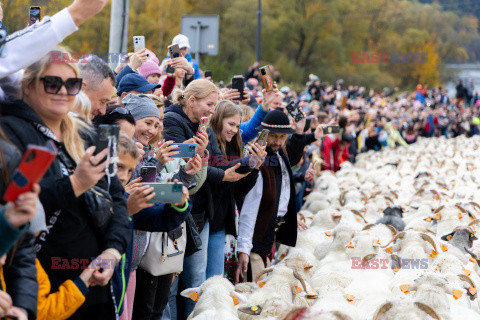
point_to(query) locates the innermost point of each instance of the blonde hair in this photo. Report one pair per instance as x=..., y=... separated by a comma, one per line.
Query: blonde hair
x=226, y=109
x=127, y=145
x=159, y=101
x=82, y=106
x=247, y=113
x=199, y=89
x=70, y=125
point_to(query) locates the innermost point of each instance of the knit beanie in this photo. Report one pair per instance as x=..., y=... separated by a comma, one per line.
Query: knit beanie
x=152, y=56
x=140, y=106
x=149, y=67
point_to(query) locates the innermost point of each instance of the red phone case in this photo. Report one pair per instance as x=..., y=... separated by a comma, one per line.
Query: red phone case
x=34, y=164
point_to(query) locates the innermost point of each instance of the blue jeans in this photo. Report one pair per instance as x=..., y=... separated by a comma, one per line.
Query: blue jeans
x=216, y=254
x=194, y=268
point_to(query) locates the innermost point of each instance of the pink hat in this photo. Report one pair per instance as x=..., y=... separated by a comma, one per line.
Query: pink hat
x=148, y=68
x=152, y=56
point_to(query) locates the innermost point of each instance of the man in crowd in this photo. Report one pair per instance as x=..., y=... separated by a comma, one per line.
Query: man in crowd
x=269, y=214
x=98, y=83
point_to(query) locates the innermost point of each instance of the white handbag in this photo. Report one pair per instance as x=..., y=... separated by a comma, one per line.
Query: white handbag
x=165, y=252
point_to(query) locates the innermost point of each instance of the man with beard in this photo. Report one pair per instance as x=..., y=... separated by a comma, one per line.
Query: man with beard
x=268, y=214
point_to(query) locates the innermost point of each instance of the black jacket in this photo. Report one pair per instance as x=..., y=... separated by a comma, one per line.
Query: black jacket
x=20, y=275
x=71, y=235
x=178, y=127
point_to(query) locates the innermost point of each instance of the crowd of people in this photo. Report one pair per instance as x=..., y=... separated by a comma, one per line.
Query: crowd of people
x=86, y=242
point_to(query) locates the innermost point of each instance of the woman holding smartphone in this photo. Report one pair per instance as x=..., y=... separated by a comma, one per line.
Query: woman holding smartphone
x=225, y=122
x=47, y=96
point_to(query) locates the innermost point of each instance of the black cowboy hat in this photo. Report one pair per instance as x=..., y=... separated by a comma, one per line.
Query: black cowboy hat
x=277, y=122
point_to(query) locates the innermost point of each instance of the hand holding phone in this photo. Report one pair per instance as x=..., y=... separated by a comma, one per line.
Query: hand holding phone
x=34, y=15
x=148, y=173
x=202, y=126
x=23, y=210
x=238, y=83
x=267, y=79
x=294, y=111
x=166, y=192
x=166, y=150
x=139, y=195
x=187, y=150
x=138, y=43
x=35, y=162
x=108, y=139
x=331, y=129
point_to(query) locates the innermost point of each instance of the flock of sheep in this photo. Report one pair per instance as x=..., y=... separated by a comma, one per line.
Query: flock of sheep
x=393, y=237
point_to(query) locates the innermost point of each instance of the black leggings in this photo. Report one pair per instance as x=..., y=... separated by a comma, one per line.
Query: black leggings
x=151, y=295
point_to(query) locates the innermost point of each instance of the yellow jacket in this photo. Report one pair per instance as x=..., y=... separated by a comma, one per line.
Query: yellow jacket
x=61, y=304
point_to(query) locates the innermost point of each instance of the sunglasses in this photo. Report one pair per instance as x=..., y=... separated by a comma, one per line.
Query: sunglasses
x=53, y=84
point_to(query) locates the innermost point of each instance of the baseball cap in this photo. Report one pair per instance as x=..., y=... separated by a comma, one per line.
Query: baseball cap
x=133, y=81
x=182, y=41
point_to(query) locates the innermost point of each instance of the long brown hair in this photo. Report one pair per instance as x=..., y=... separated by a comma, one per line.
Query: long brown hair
x=226, y=109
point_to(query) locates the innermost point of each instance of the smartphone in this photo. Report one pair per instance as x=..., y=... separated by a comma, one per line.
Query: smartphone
x=34, y=15
x=138, y=43
x=174, y=51
x=331, y=129
x=187, y=150
x=208, y=73
x=262, y=136
x=107, y=137
x=202, y=127
x=166, y=192
x=267, y=79
x=294, y=111
x=148, y=173
x=238, y=83
x=35, y=162
x=308, y=124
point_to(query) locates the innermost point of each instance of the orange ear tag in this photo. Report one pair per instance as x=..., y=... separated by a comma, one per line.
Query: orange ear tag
x=444, y=248
x=328, y=233
x=350, y=245
x=350, y=297
x=235, y=300
x=261, y=284
x=472, y=291
x=396, y=269
x=472, y=260
x=457, y=294
x=436, y=217
x=449, y=237
x=460, y=216
x=193, y=296
x=297, y=289
x=307, y=267
x=358, y=220
x=433, y=254
x=404, y=288
x=467, y=272
x=282, y=255
x=428, y=219
x=388, y=250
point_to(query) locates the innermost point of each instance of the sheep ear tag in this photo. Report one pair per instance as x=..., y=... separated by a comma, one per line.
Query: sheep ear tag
x=436, y=216
x=444, y=248
x=350, y=297
x=235, y=300
x=388, y=250
x=193, y=296
x=467, y=272
x=457, y=294
x=311, y=295
x=404, y=288
x=253, y=310
x=261, y=284
x=328, y=233
x=472, y=291
x=297, y=289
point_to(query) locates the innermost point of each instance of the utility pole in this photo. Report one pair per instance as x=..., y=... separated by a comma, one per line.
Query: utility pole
x=259, y=31
x=118, y=30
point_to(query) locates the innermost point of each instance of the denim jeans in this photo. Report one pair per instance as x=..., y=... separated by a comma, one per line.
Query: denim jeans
x=216, y=254
x=194, y=268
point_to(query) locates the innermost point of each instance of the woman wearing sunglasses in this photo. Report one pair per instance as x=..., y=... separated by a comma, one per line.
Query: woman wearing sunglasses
x=47, y=96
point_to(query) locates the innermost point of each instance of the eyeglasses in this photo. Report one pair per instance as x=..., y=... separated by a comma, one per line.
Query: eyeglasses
x=121, y=110
x=53, y=84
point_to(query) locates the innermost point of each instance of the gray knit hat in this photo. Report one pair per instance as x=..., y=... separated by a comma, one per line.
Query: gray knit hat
x=140, y=106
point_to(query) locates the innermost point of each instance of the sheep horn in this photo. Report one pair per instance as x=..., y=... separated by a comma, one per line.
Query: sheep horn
x=474, y=222
x=429, y=239
x=395, y=194
x=461, y=208
x=368, y=226
x=469, y=280
x=300, y=278
x=442, y=185
x=261, y=273
x=476, y=205
x=355, y=212
x=364, y=198
x=340, y=315
x=474, y=256
x=427, y=309
x=389, y=199
x=398, y=236
x=435, y=192
x=439, y=209
x=369, y=257
x=383, y=309
x=342, y=198
x=393, y=229
x=420, y=191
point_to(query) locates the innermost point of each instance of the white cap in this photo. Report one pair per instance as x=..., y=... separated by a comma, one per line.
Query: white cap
x=181, y=40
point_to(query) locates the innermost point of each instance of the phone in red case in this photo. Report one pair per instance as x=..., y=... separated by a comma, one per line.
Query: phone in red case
x=34, y=164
